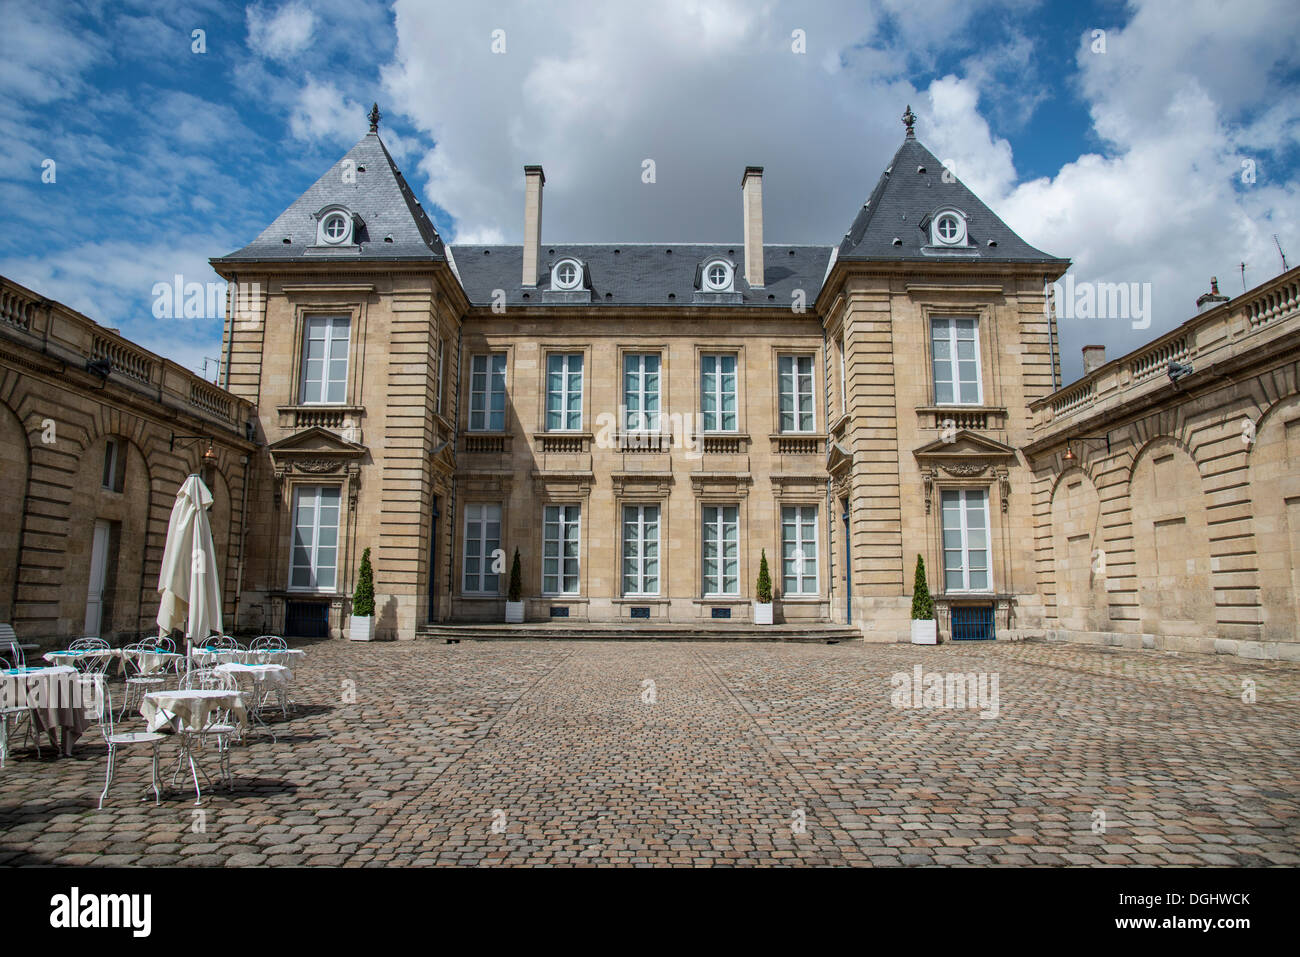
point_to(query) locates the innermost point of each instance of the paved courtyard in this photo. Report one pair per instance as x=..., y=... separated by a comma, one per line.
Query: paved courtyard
x=553, y=753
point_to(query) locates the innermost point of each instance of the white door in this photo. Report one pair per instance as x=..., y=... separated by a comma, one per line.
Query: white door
x=98, y=574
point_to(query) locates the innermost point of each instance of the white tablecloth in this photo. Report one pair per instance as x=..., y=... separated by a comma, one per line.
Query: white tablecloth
x=151, y=662
x=56, y=697
x=75, y=657
x=205, y=659
x=189, y=709
x=277, y=675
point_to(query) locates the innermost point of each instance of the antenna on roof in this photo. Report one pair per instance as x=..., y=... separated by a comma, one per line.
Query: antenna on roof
x=1285, y=267
x=908, y=119
x=374, y=118
x=1243, y=277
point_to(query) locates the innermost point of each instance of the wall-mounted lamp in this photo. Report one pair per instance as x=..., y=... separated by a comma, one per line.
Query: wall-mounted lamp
x=1069, y=458
x=209, y=460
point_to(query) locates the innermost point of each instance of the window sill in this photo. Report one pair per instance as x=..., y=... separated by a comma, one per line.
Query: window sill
x=641, y=600
x=576, y=442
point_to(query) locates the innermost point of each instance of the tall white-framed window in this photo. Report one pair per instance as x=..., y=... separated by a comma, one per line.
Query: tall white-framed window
x=799, y=550
x=966, y=540
x=718, y=392
x=313, y=562
x=563, y=392
x=561, y=541
x=114, y=465
x=844, y=379
x=487, y=392
x=482, y=543
x=640, y=549
x=795, y=394
x=641, y=391
x=720, y=550
x=955, y=353
x=325, y=359
x=441, y=371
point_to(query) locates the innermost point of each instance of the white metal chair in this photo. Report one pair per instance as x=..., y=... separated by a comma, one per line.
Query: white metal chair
x=101, y=701
x=220, y=728
x=91, y=664
x=138, y=682
x=13, y=717
x=10, y=647
x=223, y=643
x=269, y=643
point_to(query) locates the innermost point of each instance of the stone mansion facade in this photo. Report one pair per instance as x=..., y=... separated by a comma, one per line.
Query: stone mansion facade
x=642, y=422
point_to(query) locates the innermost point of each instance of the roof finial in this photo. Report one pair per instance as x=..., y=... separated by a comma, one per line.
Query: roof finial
x=374, y=118
x=908, y=119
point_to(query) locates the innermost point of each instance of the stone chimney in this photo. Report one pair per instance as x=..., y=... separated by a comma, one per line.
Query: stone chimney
x=1094, y=357
x=1208, y=300
x=751, y=191
x=534, y=180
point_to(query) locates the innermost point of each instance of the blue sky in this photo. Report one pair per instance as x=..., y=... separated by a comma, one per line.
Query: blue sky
x=1127, y=159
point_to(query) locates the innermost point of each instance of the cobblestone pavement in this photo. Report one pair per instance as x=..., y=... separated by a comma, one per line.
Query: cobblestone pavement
x=579, y=752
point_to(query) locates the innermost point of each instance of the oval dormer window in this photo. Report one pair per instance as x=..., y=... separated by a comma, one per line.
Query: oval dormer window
x=717, y=276
x=566, y=275
x=336, y=229
x=949, y=229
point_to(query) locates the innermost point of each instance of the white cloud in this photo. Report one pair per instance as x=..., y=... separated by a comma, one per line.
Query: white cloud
x=283, y=34
x=108, y=281
x=41, y=58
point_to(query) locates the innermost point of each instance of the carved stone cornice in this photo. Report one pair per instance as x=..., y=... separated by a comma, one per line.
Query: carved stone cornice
x=657, y=484
x=729, y=484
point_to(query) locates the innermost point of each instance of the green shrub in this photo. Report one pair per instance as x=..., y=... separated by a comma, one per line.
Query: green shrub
x=764, y=590
x=516, y=580
x=363, y=599
x=922, y=603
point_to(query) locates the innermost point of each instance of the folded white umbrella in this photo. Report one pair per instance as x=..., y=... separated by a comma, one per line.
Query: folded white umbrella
x=191, y=593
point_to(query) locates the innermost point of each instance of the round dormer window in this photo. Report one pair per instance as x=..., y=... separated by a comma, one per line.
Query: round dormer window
x=717, y=276
x=336, y=228
x=566, y=275
x=949, y=230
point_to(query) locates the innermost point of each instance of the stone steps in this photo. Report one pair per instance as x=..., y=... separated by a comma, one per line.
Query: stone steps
x=627, y=631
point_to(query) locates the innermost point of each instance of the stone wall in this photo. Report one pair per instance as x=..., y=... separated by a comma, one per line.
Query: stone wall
x=57, y=420
x=1184, y=498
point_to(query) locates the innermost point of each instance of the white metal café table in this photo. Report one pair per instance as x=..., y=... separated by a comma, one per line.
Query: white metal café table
x=188, y=711
x=56, y=698
x=210, y=657
x=265, y=679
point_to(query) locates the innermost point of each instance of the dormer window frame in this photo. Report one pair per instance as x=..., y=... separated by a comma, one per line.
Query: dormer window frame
x=331, y=215
x=727, y=282
x=952, y=221
x=571, y=283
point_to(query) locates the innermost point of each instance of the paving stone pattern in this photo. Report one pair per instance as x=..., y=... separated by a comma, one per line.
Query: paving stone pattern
x=651, y=753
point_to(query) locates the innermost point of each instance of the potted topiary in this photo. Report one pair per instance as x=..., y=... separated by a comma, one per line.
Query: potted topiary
x=514, y=600
x=763, y=593
x=925, y=630
x=361, y=627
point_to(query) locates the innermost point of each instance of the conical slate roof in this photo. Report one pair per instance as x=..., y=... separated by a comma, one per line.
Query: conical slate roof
x=366, y=182
x=912, y=190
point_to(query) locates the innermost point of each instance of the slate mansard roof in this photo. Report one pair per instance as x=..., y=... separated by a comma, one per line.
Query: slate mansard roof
x=641, y=274
x=910, y=190
x=892, y=226
x=394, y=226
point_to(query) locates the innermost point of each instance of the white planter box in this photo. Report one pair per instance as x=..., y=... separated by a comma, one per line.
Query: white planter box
x=925, y=632
x=514, y=612
x=762, y=613
x=361, y=629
